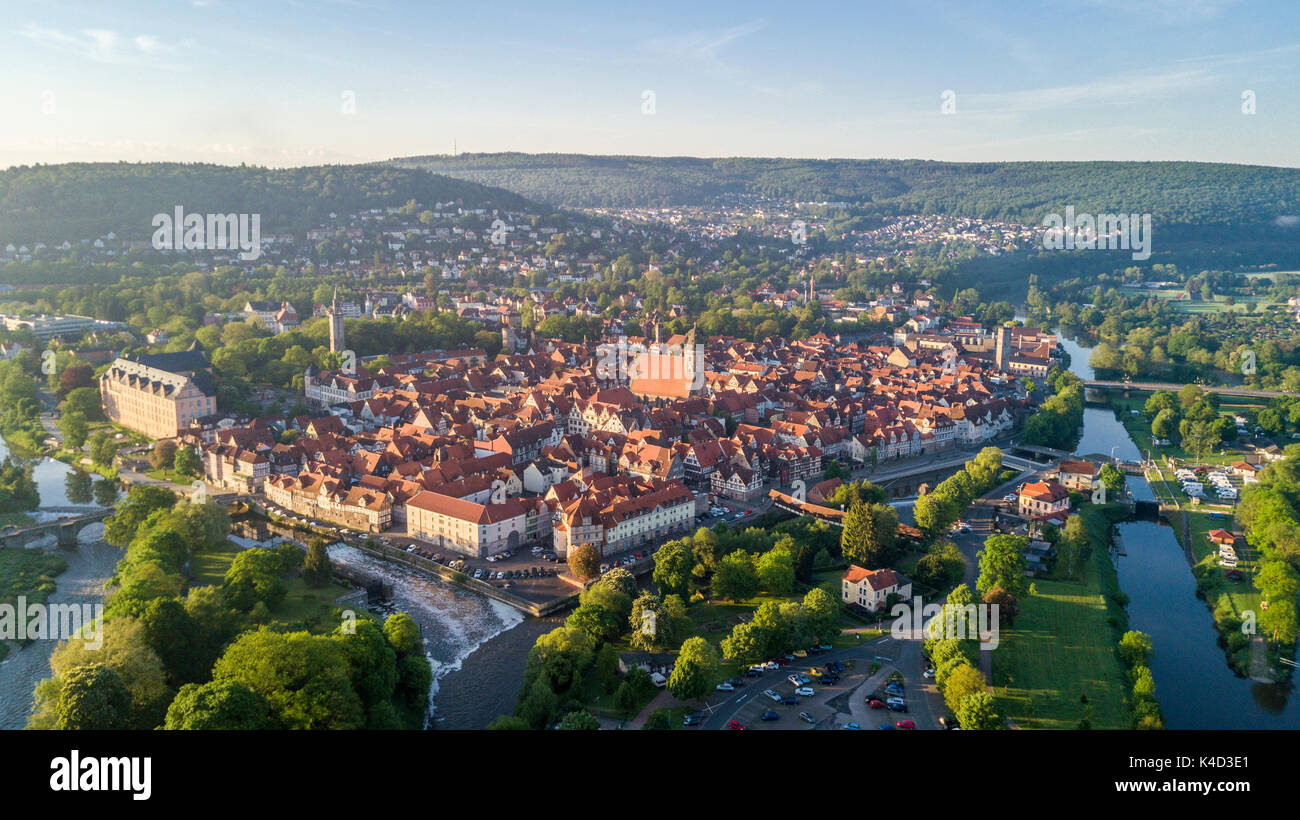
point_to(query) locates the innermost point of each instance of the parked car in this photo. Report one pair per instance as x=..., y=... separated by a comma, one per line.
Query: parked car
x=771, y=693
x=928, y=674
x=725, y=687
x=896, y=705
x=771, y=666
x=852, y=724
x=876, y=704
x=789, y=700
x=693, y=719
x=805, y=691
x=905, y=724
x=769, y=715
x=735, y=724
x=804, y=716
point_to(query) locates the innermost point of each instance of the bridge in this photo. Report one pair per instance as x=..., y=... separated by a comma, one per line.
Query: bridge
x=1151, y=387
x=1051, y=452
x=67, y=529
x=794, y=505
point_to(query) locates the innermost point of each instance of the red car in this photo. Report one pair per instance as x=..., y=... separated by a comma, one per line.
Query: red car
x=904, y=724
x=740, y=727
x=876, y=704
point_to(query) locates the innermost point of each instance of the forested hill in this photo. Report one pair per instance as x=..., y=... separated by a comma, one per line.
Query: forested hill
x=51, y=203
x=1189, y=193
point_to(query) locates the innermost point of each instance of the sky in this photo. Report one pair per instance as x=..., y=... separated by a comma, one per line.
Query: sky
x=306, y=82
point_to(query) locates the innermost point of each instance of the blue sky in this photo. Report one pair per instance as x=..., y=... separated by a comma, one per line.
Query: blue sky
x=265, y=82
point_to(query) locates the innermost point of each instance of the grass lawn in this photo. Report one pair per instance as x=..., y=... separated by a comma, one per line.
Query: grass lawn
x=1062, y=647
x=208, y=567
x=302, y=607
x=309, y=609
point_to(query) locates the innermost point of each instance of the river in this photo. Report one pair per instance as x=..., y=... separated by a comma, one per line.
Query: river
x=89, y=566
x=476, y=645
x=1195, y=686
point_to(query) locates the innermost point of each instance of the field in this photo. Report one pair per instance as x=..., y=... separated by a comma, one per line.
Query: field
x=1062, y=648
x=1219, y=305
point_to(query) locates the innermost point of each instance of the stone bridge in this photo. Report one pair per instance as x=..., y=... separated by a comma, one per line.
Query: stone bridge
x=67, y=529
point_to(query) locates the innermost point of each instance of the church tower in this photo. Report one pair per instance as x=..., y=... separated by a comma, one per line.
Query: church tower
x=337, y=341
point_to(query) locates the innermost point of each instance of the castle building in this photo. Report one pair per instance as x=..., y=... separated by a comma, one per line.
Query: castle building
x=158, y=395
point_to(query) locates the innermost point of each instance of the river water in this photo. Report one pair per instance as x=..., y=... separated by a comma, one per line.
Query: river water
x=476, y=645
x=89, y=566
x=1195, y=686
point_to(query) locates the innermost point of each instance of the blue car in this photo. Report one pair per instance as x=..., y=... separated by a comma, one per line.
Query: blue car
x=886, y=726
x=789, y=700
x=770, y=715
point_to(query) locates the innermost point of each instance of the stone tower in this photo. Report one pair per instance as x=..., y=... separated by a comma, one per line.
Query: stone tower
x=337, y=341
x=1002, y=348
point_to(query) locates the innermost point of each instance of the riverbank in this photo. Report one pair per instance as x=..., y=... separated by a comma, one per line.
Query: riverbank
x=1230, y=602
x=1058, y=665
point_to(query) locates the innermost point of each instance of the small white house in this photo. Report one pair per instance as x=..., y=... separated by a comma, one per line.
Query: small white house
x=870, y=588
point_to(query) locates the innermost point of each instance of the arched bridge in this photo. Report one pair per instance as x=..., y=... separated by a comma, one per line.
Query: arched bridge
x=1151, y=387
x=67, y=529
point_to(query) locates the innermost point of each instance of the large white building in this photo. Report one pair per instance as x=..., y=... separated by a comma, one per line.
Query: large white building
x=476, y=530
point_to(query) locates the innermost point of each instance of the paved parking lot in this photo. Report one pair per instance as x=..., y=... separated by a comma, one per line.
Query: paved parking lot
x=833, y=706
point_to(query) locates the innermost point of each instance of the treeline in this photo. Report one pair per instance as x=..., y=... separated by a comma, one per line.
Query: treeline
x=73, y=201
x=1269, y=515
x=951, y=644
x=938, y=509
x=1057, y=421
x=1177, y=194
x=1141, y=335
x=168, y=654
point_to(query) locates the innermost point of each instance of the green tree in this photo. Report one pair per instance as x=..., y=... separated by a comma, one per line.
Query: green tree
x=580, y=720
x=186, y=462
x=695, y=670
x=584, y=561
x=978, y=712
x=775, y=570
x=598, y=623
x=1002, y=564
x=317, y=571
x=1135, y=648
x=92, y=697
x=962, y=682
x=218, y=705
x=674, y=561
x=254, y=576
x=735, y=577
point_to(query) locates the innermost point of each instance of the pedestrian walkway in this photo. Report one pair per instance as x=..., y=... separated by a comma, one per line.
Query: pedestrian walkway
x=663, y=700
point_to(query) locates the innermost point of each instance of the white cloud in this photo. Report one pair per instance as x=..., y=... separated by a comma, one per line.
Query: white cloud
x=103, y=46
